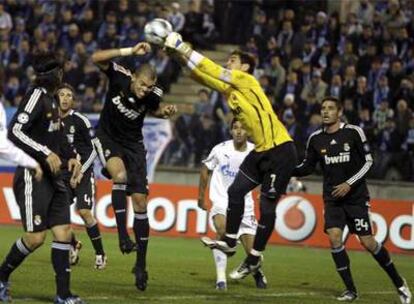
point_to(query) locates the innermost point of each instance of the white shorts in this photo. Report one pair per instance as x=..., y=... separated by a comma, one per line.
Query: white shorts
x=248, y=224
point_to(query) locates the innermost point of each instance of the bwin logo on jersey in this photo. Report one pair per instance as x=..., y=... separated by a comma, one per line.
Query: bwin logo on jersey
x=131, y=114
x=343, y=157
x=225, y=170
x=53, y=126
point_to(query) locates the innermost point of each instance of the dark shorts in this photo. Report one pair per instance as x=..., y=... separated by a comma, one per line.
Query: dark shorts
x=134, y=159
x=43, y=204
x=355, y=216
x=272, y=168
x=84, y=194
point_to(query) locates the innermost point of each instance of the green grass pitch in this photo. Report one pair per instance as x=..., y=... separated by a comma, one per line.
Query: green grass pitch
x=182, y=271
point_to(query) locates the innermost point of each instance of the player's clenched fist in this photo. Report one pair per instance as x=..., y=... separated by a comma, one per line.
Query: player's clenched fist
x=141, y=48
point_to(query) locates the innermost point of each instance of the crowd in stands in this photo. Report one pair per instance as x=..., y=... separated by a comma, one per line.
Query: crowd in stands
x=360, y=51
x=75, y=29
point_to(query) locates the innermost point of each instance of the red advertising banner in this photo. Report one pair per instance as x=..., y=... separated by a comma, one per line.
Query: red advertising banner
x=173, y=211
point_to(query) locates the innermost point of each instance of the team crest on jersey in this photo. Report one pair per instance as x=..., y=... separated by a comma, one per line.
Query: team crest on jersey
x=107, y=152
x=23, y=118
x=37, y=220
x=347, y=147
x=72, y=129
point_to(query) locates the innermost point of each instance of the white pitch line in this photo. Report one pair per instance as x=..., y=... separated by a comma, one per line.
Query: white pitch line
x=264, y=295
x=212, y=297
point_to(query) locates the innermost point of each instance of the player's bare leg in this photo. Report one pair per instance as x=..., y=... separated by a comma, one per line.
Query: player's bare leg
x=381, y=255
x=76, y=246
x=17, y=254
x=141, y=231
x=116, y=169
x=342, y=263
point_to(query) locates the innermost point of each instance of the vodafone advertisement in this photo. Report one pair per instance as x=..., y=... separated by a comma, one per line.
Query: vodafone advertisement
x=173, y=211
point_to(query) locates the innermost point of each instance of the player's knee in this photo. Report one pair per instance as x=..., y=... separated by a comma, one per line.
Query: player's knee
x=87, y=216
x=335, y=239
x=267, y=206
x=139, y=202
x=119, y=177
x=369, y=243
x=62, y=233
x=34, y=240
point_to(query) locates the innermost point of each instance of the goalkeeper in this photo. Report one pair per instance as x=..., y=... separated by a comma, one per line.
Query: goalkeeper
x=272, y=161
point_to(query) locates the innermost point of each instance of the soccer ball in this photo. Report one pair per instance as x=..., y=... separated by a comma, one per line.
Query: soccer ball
x=157, y=30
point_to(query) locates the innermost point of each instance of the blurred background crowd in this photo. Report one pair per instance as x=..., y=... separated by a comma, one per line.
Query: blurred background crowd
x=360, y=51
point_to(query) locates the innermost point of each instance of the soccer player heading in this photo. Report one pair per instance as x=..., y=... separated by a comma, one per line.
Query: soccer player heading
x=263, y=166
x=80, y=134
x=222, y=164
x=130, y=96
x=43, y=201
x=344, y=154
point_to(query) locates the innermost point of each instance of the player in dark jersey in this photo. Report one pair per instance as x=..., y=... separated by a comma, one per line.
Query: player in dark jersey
x=130, y=96
x=43, y=203
x=343, y=152
x=80, y=134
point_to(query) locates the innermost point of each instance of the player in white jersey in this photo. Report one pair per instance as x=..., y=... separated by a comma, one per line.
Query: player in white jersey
x=8, y=151
x=223, y=164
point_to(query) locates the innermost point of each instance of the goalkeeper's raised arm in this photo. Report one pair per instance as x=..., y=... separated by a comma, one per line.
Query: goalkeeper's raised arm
x=238, y=69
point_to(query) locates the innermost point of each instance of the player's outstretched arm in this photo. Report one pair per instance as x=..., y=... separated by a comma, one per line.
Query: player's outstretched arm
x=102, y=57
x=205, y=65
x=201, y=77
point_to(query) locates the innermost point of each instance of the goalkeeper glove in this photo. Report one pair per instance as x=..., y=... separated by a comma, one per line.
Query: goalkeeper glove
x=175, y=41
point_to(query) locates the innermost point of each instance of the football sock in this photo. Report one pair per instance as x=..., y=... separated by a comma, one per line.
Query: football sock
x=119, y=203
x=220, y=259
x=18, y=252
x=253, y=257
x=342, y=263
x=96, y=238
x=60, y=261
x=383, y=258
x=264, y=228
x=235, y=210
x=141, y=231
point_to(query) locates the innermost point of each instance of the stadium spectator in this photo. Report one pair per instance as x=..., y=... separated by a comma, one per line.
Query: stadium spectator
x=314, y=90
x=366, y=39
x=6, y=22
x=176, y=17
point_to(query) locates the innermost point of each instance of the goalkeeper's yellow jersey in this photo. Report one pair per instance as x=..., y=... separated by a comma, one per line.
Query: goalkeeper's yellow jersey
x=247, y=101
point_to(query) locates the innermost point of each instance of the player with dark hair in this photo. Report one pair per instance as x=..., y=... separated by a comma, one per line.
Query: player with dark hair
x=80, y=134
x=345, y=158
x=130, y=96
x=262, y=166
x=43, y=202
x=222, y=165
